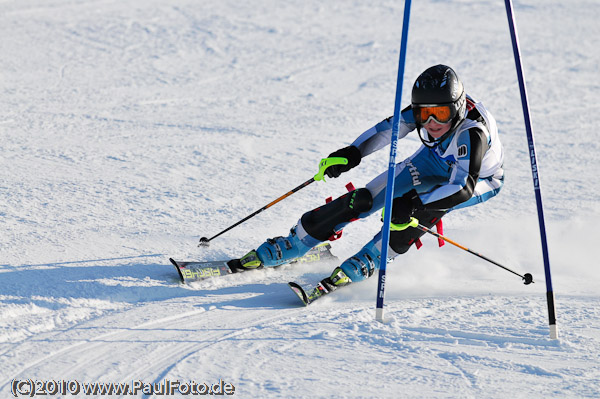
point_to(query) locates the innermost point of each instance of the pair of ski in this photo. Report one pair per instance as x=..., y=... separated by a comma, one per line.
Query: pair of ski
x=196, y=271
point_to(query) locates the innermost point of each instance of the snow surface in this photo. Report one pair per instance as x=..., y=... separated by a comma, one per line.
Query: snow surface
x=130, y=128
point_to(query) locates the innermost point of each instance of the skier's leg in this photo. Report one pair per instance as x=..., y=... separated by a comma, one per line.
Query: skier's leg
x=420, y=171
x=364, y=263
x=313, y=228
x=484, y=190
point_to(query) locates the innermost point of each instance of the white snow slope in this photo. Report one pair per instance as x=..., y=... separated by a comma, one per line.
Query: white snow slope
x=131, y=128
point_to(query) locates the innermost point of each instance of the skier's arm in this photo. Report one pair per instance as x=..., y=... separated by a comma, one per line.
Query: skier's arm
x=370, y=141
x=380, y=135
x=472, y=146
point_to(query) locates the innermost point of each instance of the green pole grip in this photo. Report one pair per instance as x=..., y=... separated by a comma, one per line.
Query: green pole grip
x=414, y=222
x=327, y=162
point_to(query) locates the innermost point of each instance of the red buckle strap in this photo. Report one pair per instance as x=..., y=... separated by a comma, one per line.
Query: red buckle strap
x=440, y=229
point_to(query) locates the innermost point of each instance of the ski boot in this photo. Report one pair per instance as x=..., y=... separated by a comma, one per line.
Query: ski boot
x=276, y=251
x=363, y=264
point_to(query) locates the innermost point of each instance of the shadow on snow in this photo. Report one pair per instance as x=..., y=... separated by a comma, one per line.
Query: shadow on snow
x=58, y=285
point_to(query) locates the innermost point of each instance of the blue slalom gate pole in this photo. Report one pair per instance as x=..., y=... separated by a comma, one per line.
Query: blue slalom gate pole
x=534, y=169
x=389, y=191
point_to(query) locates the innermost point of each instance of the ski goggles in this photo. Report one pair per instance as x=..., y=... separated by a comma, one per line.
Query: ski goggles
x=440, y=113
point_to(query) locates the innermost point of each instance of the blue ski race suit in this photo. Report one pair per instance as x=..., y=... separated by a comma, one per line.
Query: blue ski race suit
x=462, y=170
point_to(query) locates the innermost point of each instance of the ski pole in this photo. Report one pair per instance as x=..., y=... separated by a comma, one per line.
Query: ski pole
x=528, y=278
x=323, y=165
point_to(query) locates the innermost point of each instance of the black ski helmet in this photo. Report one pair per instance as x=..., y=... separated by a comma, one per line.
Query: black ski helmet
x=436, y=86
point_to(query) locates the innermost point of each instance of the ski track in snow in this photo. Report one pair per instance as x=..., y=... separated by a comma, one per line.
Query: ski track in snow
x=129, y=129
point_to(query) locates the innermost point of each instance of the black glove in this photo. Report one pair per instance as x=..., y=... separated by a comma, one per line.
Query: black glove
x=351, y=153
x=404, y=207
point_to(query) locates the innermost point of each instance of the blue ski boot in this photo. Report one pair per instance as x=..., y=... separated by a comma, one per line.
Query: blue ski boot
x=362, y=265
x=277, y=251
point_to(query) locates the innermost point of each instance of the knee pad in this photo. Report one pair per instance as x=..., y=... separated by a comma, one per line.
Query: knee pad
x=321, y=223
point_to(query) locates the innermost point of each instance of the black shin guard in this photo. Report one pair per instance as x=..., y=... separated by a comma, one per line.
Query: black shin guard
x=320, y=223
x=400, y=241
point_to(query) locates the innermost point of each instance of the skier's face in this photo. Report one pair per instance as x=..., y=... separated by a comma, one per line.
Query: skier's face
x=435, y=129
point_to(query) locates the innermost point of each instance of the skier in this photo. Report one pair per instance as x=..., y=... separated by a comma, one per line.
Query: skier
x=458, y=165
